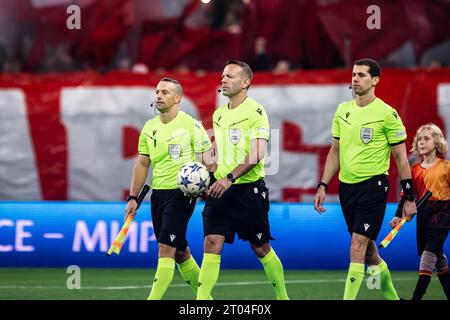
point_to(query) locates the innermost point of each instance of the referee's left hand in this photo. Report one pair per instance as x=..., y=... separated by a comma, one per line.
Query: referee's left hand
x=218, y=188
x=409, y=210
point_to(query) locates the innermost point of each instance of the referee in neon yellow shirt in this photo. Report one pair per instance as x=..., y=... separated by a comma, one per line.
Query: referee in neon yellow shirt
x=238, y=201
x=167, y=142
x=365, y=131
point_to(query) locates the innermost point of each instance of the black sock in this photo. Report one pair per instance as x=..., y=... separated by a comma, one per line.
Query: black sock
x=421, y=286
x=445, y=282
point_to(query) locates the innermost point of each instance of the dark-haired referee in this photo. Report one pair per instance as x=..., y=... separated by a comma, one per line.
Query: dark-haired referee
x=365, y=131
x=239, y=199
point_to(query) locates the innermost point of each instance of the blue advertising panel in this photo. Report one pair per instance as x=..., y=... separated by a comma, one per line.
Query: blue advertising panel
x=59, y=234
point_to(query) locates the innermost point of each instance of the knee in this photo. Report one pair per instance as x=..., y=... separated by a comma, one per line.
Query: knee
x=165, y=251
x=358, y=249
x=441, y=263
x=181, y=256
x=213, y=244
x=261, y=250
x=372, y=257
x=428, y=261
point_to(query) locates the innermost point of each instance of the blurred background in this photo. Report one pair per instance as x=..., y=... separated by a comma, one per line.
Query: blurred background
x=73, y=101
x=186, y=35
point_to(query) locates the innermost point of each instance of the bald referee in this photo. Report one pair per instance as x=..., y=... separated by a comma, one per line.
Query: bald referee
x=167, y=142
x=238, y=201
x=365, y=131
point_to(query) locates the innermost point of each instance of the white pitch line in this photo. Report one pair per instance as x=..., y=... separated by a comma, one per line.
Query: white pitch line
x=221, y=284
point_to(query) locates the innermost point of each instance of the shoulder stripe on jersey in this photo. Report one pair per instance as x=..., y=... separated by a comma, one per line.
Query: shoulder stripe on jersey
x=344, y=120
x=372, y=122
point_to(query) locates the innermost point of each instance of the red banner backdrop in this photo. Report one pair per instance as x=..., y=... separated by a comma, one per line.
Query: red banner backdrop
x=299, y=105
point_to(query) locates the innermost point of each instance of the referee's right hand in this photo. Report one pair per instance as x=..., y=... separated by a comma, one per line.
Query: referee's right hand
x=130, y=209
x=319, y=199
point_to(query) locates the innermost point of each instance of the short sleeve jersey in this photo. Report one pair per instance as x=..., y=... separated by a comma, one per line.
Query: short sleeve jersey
x=170, y=146
x=234, y=129
x=435, y=179
x=366, y=135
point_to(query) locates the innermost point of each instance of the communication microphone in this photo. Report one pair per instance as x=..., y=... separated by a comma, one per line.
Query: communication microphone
x=349, y=87
x=219, y=91
x=152, y=104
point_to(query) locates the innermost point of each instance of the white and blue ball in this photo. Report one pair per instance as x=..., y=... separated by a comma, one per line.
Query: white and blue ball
x=193, y=178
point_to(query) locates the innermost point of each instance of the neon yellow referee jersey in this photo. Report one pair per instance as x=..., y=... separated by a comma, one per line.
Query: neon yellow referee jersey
x=233, y=130
x=170, y=146
x=366, y=135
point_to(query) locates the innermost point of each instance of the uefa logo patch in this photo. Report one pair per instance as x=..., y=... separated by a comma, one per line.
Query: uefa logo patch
x=174, y=151
x=235, y=136
x=366, y=135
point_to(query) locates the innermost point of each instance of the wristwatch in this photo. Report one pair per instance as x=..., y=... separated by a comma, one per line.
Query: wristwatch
x=130, y=197
x=231, y=178
x=321, y=183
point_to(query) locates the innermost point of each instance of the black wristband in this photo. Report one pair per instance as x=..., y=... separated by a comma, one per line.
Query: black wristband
x=212, y=178
x=398, y=212
x=321, y=183
x=407, y=188
x=130, y=197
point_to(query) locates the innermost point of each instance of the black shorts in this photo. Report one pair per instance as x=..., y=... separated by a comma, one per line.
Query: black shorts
x=364, y=205
x=171, y=212
x=244, y=208
x=433, y=224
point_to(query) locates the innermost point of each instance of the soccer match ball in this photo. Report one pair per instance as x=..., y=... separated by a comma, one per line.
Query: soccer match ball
x=193, y=178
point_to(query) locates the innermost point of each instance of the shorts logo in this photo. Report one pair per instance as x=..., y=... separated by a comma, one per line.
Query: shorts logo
x=386, y=189
x=366, y=226
x=366, y=135
x=235, y=136
x=174, y=150
x=263, y=194
x=259, y=235
x=172, y=237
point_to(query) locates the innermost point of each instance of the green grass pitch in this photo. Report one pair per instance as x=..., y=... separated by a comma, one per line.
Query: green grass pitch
x=105, y=284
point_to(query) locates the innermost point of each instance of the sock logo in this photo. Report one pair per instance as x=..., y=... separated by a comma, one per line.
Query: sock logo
x=154, y=280
x=366, y=226
x=188, y=281
x=352, y=279
x=274, y=284
x=259, y=235
x=199, y=284
x=172, y=237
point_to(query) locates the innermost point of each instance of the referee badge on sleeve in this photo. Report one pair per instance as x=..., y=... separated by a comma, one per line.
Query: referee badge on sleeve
x=366, y=135
x=235, y=136
x=175, y=151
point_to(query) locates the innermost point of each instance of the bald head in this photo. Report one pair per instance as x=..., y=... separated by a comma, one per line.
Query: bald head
x=174, y=84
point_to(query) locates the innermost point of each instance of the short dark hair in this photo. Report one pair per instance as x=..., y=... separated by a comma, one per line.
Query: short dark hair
x=245, y=67
x=374, y=67
x=177, y=84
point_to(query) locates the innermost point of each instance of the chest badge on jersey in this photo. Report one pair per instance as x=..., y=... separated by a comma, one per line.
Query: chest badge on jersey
x=174, y=151
x=235, y=136
x=366, y=135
